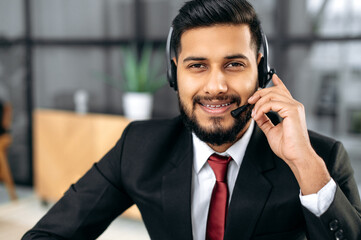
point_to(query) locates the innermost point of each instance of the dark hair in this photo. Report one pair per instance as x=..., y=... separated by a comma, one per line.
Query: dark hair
x=203, y=13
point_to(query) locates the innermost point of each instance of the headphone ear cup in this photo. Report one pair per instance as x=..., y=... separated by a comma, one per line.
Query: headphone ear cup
x=262, y=73
x=173, y=76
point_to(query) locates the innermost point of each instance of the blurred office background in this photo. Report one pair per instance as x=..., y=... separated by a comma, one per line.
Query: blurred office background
x=50, y=49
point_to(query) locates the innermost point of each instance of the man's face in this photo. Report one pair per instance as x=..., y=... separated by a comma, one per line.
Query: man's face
x=216, y=73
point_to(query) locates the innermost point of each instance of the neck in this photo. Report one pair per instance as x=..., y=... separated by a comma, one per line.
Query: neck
x=225, y=146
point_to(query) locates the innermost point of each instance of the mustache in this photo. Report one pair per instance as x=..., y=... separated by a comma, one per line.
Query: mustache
x=231, y=98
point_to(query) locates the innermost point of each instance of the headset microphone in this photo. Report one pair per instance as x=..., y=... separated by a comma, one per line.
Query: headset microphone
x=237, y=112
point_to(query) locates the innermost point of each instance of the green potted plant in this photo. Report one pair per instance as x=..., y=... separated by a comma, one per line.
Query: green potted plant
x=142, y=76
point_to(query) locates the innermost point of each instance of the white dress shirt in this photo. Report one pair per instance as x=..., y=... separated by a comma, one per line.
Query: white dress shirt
x=203, y=180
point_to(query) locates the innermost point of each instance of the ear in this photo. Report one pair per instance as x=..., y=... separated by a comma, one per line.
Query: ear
x=174, y=59
x=173, y=76
x=259, y=57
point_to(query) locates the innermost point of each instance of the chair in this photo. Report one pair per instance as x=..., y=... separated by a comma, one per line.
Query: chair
x=5, y=141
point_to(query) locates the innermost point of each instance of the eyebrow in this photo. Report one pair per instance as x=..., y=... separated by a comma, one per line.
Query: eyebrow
x=235, y=56
x=242, y=56
x=191, y=58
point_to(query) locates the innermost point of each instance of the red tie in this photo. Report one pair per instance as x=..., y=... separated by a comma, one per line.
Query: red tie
x=219, y=202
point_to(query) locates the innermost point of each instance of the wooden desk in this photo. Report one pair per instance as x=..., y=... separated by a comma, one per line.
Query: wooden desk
x=66, y=145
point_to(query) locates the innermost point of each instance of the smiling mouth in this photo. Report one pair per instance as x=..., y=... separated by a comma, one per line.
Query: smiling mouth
x=216, y=106
x=216, y=109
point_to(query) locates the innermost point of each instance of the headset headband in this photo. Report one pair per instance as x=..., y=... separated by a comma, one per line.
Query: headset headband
x=169, y=56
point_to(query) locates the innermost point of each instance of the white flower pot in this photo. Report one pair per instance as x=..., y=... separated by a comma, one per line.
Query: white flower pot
x=137, y=106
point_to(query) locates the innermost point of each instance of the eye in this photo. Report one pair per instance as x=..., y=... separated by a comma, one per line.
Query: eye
x=197, y=65
x=235, y=65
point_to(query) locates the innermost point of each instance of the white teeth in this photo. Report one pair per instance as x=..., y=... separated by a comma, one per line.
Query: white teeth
x=217, y=106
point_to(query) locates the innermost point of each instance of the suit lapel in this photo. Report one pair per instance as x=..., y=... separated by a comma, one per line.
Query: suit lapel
x=176, y=190
x=251, y=190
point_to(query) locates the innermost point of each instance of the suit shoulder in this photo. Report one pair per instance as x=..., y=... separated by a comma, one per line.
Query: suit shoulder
x=319, y=139
x=154, y=127
x=321, y=143
x=155, y=123
x=327, y=147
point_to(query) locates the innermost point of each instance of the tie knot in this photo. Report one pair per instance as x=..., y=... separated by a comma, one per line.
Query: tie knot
x=219, y=165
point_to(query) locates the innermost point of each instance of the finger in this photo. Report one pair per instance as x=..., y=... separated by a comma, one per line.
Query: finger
x=278, y=82
x=264, y=123
x=278, y=87
x=284, y=109
x=273, y=92
x=272, y=96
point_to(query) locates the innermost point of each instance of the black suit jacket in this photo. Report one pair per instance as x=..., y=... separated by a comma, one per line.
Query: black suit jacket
x=151, y=166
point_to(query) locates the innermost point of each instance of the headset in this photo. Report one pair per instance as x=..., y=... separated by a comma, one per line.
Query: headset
x=265, y=73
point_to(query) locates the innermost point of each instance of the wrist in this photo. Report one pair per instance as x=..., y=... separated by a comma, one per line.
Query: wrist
x=311, y=173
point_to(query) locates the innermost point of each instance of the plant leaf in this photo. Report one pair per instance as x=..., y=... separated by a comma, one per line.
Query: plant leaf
x=144, y=67
x=130, y=70
x=142, y=75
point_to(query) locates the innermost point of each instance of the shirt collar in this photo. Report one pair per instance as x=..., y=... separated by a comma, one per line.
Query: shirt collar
x=202, y=151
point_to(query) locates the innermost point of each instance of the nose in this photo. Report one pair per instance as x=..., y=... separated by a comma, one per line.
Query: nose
x=216, y=83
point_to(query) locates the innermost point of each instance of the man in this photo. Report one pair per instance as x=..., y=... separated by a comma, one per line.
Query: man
x=278, y=181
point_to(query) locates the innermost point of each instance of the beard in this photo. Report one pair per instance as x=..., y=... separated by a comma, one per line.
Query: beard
x=218, y=135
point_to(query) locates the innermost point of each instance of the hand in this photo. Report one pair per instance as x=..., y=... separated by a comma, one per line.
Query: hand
x=289, y=139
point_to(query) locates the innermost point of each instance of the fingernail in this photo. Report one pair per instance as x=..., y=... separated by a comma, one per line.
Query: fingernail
x=253, y=112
